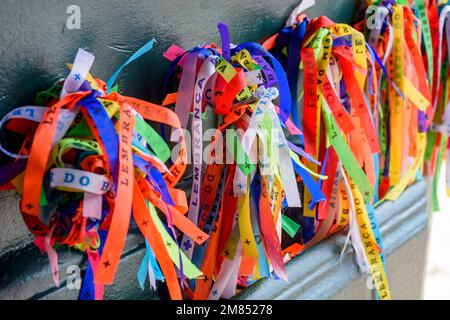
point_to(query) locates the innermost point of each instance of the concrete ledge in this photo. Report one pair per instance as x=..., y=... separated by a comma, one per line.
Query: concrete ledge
x=27, y=275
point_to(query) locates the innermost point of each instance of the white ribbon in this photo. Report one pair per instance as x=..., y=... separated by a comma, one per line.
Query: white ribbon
x=353, y=233
x=80, y=69
x=303, y=6
x=79, y=180
x=206, y=71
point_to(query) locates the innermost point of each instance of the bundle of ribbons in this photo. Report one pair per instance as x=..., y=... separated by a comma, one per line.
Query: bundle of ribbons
x=312, y=129
x=85, y=161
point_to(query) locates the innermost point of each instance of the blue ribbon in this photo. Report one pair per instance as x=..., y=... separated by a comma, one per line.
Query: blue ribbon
x=308, y=228
x=283, y=85
x=149, y=257
x=374, y=55
x=255, y=189
x=313, y=187
x=106, y=130
x=292, y=69
x=225, y=36
x=143, y=50
x=87, y=291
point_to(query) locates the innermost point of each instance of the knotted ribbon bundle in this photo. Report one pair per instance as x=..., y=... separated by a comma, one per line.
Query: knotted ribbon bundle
x=240, y=204
x=89, y=161
x=435, y=19
x=339, y=131
x=249, y=174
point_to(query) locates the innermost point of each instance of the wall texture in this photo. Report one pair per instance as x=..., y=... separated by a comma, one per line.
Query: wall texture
x=35, y=45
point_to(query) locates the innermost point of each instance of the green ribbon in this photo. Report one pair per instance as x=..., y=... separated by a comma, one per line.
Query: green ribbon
x=154, y=140
x=422, y=10
x=290, y=226
x=346, y=156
